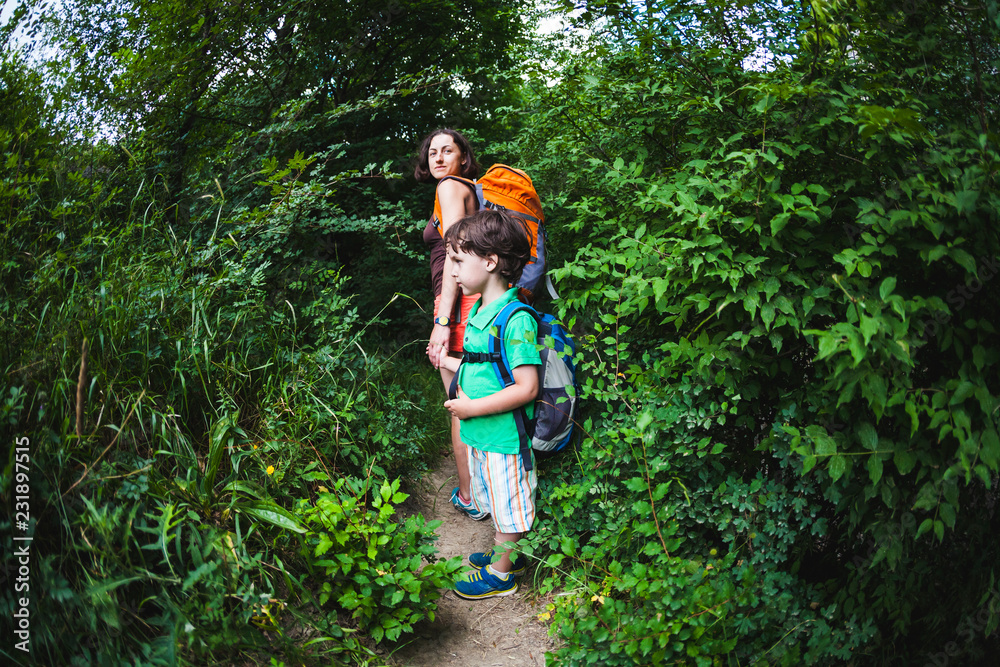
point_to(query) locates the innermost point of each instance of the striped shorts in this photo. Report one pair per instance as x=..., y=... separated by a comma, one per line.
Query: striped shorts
x=502, y=487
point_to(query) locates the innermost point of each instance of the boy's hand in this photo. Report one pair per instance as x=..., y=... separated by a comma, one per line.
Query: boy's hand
x=524, y=389
x=460, y=407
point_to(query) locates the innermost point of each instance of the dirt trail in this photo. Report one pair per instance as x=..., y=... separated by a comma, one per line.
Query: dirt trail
x=493, y=632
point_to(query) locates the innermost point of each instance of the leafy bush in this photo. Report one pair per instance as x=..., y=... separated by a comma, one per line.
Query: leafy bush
x=181, y=393
x=371, y=563
x=784, y=280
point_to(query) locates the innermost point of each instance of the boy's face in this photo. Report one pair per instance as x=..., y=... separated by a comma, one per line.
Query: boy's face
x=472, y=272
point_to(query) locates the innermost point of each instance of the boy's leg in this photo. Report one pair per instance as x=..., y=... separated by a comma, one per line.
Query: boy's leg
x=478, y=479
x=500, y=482
x=509, y=490
x=505, y=564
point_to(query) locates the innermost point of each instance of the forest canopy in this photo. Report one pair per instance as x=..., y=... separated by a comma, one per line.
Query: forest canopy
x=775, y=235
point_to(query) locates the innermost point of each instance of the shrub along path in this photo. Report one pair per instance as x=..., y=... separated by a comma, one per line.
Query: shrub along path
x=497, y=631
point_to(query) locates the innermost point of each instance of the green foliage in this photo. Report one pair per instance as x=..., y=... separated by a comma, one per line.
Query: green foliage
x=234, y=84
x=784, y=277
x=370, y=564
x=779, y=227
x=181, y=394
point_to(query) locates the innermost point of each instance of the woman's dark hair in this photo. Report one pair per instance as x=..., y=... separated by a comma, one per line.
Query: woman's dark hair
x=491, y=232
x=469, y=170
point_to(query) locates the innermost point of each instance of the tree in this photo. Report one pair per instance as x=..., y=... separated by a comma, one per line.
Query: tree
x=199, y=91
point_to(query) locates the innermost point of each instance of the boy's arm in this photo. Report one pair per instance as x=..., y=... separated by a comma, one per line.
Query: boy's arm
x=450, y=363
x=523, y=391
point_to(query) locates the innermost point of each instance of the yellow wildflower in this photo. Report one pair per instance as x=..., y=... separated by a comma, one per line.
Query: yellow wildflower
x=270, y=470
x=597, y=598
x=544, y=616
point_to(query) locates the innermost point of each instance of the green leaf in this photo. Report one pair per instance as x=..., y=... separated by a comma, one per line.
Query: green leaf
x=222, y=435
x=838, y=466
x=568, y=546
x=947, y=513
x=856, y=345
x=825, y=445
x=966, y=201
x=989, y=449
x=778, y=222
x=767, y=313
x=269, y=512
x=660, y=286
x=962, y=392
x=243, y=486
x=911, y=409
x=771, y=287
x=868, y=436
x=887, y=287
x=874, y=468
x=397, y=597
x=751, y=302
x=869, y=327
x=828, y=345
x=979, y=357
x=765, y=103
x=904, y=460
x=965, y=260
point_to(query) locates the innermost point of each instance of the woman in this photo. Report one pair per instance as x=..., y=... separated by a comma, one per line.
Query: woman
x=447, y=153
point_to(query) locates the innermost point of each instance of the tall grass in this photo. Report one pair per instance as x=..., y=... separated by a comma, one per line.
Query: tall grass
x=186, y=395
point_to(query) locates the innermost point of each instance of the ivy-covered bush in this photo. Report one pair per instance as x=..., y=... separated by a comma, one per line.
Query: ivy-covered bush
x=372, y=566
x=784, y=276
x=182, y=389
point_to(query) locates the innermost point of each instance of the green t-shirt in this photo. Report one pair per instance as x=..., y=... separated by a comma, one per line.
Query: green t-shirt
x=495, y=433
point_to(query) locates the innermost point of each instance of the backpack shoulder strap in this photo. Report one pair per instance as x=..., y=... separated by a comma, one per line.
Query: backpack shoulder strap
x=497, y=347
x=501, y=365
x=477, y=191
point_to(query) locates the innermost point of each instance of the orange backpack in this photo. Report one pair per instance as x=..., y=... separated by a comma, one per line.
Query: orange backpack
x=509, y=189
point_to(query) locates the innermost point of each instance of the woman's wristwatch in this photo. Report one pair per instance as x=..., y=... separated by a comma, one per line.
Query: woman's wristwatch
x=442, y=320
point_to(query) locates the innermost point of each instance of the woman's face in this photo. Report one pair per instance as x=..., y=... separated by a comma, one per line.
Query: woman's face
x=444, y=158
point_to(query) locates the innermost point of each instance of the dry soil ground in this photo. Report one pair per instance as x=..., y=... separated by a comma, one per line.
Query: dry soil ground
x=493, y=632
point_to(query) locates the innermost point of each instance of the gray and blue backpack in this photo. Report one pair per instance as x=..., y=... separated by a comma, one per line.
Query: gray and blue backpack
x=551, y=429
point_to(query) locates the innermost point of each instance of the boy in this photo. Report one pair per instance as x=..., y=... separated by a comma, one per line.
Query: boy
x=488, y=250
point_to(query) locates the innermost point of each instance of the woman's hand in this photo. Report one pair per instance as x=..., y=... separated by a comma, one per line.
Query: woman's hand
x=438, y=345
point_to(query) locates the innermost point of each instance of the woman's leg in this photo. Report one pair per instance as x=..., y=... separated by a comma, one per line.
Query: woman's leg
x=458, y=447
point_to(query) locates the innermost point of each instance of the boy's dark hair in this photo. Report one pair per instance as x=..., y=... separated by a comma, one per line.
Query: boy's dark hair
x=469, y=170
x=491, y=232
